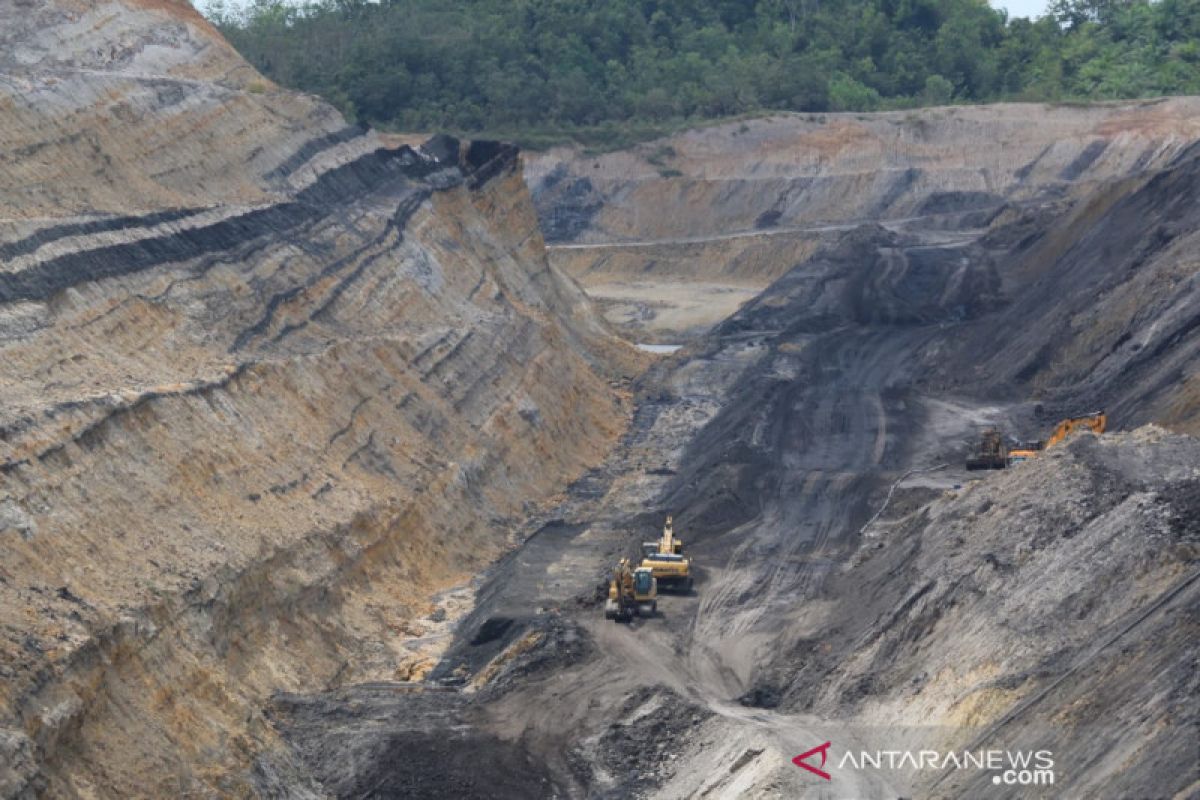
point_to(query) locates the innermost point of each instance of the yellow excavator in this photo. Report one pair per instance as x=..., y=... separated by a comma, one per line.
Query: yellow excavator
x=665, y=559
x=631, y=593
x=1096, y=423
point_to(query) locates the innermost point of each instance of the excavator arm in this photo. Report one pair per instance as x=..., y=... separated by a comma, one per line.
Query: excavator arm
x=668, y=543
x=1094, y=422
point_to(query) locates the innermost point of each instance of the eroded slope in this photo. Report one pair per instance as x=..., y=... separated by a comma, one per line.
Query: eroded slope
x=1050, y=607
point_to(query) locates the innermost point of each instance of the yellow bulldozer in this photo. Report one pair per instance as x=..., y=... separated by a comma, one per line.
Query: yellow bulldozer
x=665, y=559
x=631, y=593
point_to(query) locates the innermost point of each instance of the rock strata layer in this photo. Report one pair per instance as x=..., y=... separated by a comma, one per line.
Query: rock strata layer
x=268, y=386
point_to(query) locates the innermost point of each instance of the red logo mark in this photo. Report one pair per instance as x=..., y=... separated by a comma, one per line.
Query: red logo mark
x=822, y=749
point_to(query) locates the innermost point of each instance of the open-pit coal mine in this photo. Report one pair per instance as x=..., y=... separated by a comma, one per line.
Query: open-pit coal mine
x=319, y=446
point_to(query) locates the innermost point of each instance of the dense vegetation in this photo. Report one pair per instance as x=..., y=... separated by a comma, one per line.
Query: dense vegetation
x=571, y=65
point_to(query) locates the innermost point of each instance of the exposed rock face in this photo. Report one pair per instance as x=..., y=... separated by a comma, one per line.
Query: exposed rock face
x=716, y=214
x=1052, y=606
x=792, y=170
x=1105, y=303
x=268, y=386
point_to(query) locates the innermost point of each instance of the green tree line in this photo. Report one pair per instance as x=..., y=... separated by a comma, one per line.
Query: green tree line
x=570, y=65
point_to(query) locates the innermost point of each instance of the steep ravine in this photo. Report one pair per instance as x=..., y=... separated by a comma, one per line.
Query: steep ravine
x=1050, y=607
x=269, y=387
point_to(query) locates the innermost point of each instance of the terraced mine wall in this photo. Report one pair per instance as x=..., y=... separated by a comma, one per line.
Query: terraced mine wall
x=808, y=170
x=674, y=235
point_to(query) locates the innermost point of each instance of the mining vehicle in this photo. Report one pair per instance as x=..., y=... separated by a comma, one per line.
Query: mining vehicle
x=1096, y=423
x=665, y=559
x=631, y=593
x=1023, y=451
x=992, y=452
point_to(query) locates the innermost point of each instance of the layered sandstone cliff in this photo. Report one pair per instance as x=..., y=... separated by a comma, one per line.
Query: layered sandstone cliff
x=268, y=386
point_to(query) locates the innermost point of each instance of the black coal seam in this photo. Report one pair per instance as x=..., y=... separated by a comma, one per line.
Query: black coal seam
x=345, y=183
x=264, y=321
x=408, y=206
x=1084, y=160
x=313, y=147
x=344, y=283
x=238, y=253
x=350, y=423
x=282, y=297
x=440, y=341
x=334, y=294
x=451, y=353
x=31, y=243
x=1024, y=172
x=48, y=278
x=485, y=160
